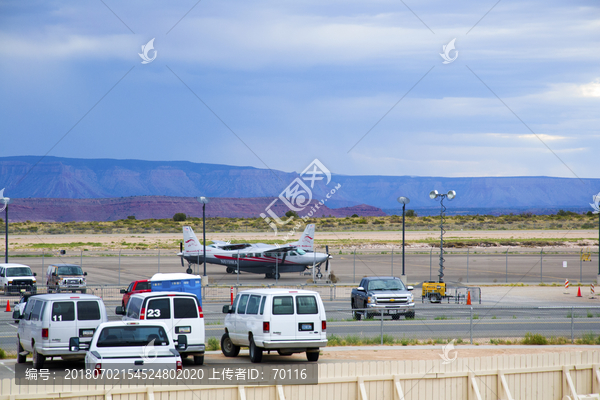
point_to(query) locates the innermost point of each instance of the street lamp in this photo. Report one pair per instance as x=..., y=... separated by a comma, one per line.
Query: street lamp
x=596, y=207
x=404, y=201
x=434, y=195
x=5, y=201
x=204, y=201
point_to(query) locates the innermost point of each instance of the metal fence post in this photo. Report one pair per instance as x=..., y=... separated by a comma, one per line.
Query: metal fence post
x=541, y=265
x=580, y=266
x=159, y=260
x=381, y=313
x=471, y=325
x=42, y=263
x=507, y=265
x=119, y=266
x=467, y=266
x=81, y=259
x=430, y=253
x=572, y=325
x=354, y=279
x=392, y=261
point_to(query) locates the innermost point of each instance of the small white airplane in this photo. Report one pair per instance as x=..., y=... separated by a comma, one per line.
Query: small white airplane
x=258, y=258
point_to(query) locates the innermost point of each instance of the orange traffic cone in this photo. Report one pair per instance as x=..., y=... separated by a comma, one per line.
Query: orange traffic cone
x=7, y=306
x=468, y=298
x=579, y=291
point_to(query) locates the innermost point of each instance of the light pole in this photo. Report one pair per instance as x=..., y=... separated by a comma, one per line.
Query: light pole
x=434, y=195
x=5, y=201
x=596, y=207
x=404, y=201
x=204, y=201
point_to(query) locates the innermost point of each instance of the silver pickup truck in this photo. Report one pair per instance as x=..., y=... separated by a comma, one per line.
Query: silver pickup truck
x=382, y=294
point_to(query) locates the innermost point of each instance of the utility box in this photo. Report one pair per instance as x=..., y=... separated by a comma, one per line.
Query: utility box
x=177, y=283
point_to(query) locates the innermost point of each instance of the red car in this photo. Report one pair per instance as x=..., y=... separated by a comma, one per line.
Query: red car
x=142, y=286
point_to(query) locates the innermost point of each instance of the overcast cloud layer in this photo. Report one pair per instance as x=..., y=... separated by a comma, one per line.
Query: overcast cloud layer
x=288, y=82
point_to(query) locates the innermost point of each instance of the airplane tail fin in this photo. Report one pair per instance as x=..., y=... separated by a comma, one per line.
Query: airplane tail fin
x=306, y=242
x=190, y=241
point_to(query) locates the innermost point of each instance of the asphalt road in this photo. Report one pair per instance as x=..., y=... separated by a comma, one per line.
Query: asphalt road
x=482, y=268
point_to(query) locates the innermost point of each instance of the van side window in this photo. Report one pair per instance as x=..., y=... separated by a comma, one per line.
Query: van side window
x=242, y=306
x=234, y=305
x=185, y=308
x=306, y=305
x=283, y=305
x=88, y=310
x=62, y=311
x=262, y=305
x=28, y=308
x=37, y=311
x=133, y=308
x=253, y=304
x=159, y=309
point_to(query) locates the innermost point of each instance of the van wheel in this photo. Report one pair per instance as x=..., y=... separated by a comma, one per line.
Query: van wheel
x=357, y=315
x=395, y=316
x=38, y=359
x=409, y=315
x=198, y=360
x=227, y=347
x=312, y=356
x=20, y=359
x=256, y=352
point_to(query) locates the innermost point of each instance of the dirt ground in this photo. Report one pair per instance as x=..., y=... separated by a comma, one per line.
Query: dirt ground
x=382, y=353
x=269, y=237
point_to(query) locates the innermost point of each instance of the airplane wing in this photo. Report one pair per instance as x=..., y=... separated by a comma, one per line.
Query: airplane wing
x=236, y=246
x=275, y=249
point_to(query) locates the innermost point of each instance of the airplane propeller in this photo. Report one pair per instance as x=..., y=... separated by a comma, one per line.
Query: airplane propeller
x=181, y=251
x=327, y=262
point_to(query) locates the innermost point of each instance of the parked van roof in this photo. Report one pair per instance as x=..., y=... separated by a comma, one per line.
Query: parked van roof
x=278, y=291
x=66, y=296
x=149, y=294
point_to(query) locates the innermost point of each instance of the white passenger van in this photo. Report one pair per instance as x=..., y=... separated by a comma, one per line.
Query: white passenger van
x=288, y=321
x=181, y=312
x=50, y=320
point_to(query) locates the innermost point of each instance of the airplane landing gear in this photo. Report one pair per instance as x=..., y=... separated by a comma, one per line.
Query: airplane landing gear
x=230, y=270
x=271, y=275
x=189, y=270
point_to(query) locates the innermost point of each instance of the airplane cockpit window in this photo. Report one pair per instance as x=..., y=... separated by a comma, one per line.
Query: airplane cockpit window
x=301, y=252
x=292, y=253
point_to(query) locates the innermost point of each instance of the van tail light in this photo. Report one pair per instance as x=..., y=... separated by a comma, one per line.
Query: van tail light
x=200, y=312
x=266, y=327
x=179, y=366
x=143, y=313
x=44, y=333
x=323, y=326
x=98, y=369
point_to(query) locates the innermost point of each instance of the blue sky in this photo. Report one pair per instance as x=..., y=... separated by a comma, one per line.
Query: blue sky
x=296, y=81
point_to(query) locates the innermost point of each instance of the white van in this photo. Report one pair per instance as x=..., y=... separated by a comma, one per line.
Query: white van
x=289, y=321
x=50, y=320
x=181, y=312
x=15, y=278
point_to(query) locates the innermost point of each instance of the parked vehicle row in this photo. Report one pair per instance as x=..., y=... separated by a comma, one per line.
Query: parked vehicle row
x=18, y=278
x=168, y=320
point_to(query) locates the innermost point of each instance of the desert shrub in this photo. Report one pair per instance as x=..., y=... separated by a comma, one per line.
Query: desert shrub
x=179, y=217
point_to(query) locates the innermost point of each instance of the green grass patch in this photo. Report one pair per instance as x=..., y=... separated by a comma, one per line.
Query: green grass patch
x=213, y=344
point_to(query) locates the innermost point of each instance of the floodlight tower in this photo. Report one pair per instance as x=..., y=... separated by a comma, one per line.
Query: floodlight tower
x=204, y=201
x=404, y=201
x=435, y=195
x=4, y=201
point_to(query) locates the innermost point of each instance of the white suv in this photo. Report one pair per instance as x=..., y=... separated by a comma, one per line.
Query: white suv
x=50, y=320
x=289, y=321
